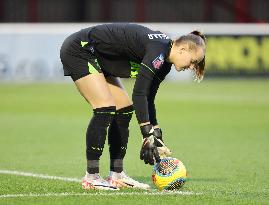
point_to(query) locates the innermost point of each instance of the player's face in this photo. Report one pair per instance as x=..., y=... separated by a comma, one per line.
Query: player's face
x=188, y=59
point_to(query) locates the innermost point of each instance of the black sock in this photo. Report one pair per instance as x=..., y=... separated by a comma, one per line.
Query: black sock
x=96, y=136
x=116, y=165
x=118, y=134
x=93, y=166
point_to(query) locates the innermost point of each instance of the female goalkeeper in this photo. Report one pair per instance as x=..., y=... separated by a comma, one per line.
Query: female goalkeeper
x=96, y=58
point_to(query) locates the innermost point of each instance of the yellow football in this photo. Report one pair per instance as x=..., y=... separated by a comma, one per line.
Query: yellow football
x=169, y=174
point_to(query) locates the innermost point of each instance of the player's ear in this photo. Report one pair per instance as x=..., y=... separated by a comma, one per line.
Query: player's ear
x=182, y=49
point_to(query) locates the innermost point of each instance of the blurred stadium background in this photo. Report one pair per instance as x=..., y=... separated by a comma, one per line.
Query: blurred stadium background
x=213, y=11
x=223, y=123
x=237, y=32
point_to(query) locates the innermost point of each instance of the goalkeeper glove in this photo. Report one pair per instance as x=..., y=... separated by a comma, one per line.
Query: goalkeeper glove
x=149, y=150
x=161, y=147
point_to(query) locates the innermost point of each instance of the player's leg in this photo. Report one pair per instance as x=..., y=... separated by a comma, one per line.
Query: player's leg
x=85, y=71
x=118, y=135
x=95, y=90
x=118, y=132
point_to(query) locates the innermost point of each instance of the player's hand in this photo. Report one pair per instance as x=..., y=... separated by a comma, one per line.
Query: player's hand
x=163, y=150
x=149, y=152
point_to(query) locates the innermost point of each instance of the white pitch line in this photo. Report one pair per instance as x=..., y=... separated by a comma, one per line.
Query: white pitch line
x=42, y=176
x=101, y=194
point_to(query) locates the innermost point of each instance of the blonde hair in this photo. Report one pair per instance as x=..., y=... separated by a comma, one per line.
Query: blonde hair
x=195, y=39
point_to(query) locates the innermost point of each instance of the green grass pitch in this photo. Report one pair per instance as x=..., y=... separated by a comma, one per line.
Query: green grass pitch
x=218, y=128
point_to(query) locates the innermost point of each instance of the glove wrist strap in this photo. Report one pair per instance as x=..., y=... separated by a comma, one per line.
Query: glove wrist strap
x=158, y=133
x=146, y=130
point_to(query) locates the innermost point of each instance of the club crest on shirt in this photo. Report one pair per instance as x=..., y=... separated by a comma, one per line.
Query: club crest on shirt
x=157, y=62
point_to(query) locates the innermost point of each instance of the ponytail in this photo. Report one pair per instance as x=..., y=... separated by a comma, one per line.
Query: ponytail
x=200, y=69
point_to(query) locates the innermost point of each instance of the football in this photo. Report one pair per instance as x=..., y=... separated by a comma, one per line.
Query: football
x=169, y=174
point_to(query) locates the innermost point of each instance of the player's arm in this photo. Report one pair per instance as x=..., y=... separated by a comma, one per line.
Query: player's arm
x=142, y=91
x=152, y=72
x=149, y=151
x=160, y=76
x=153, y=147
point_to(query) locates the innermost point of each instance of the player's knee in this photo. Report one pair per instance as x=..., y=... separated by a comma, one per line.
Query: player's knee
x=124, y=115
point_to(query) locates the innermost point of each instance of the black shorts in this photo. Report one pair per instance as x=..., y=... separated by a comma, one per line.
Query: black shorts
x=78, y=61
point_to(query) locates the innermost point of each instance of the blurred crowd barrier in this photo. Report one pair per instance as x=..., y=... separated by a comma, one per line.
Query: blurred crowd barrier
x=30, y=52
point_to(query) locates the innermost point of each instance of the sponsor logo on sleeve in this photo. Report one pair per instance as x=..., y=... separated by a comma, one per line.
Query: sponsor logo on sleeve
x=157, y=36
x=157, y=62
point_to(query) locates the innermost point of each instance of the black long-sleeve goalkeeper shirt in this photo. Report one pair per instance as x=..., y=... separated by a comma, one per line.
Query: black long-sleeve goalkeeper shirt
x=130, y=50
